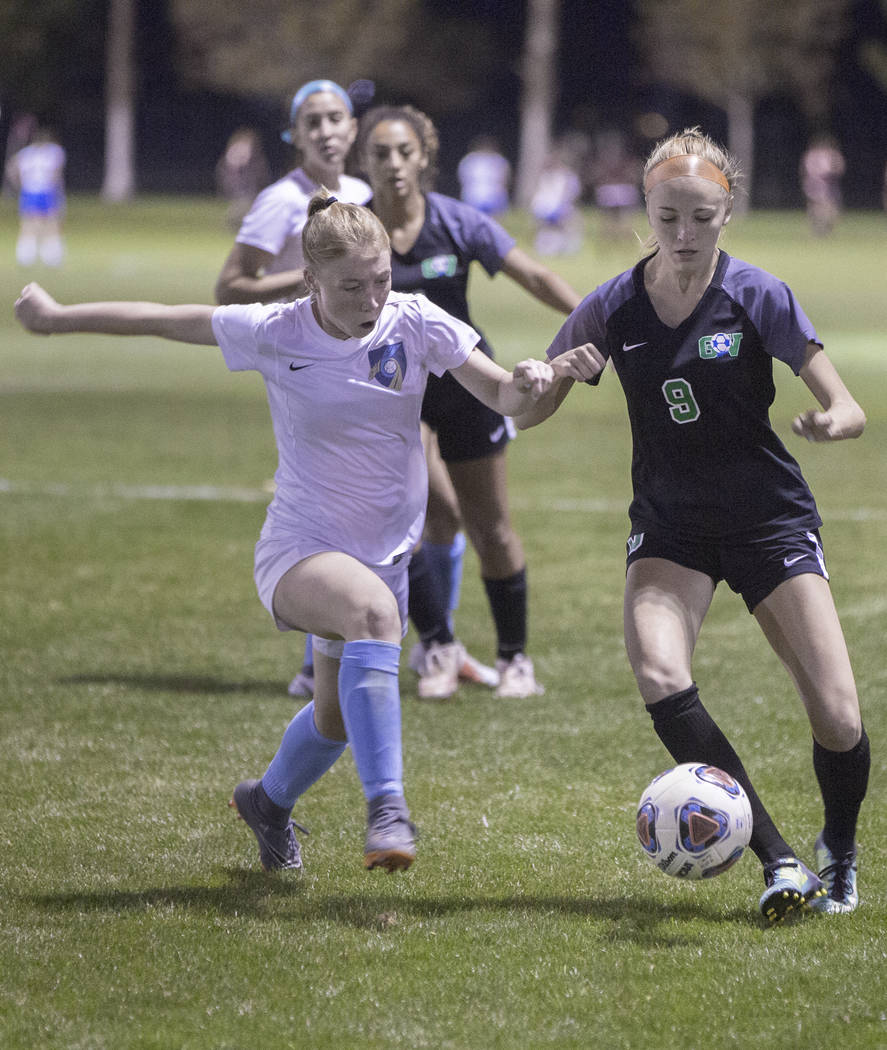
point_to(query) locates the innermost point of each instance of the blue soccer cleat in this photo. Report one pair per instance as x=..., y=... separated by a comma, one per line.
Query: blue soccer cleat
x=391, y=835
x=838, y=874
x=278, y=846
x=791, y=886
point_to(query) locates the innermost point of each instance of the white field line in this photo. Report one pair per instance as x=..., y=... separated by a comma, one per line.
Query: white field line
x=172, y=493
x=233, y=494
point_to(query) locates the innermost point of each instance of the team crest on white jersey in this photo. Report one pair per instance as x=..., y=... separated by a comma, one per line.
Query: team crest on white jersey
x=439, y=266
x=388, y=365
x=721, y=344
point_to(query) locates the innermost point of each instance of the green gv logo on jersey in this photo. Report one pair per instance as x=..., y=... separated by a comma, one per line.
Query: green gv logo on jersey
x=722, y=344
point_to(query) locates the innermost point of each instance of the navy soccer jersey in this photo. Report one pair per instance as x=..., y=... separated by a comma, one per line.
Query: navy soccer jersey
x=706, y=461
x=453, y=236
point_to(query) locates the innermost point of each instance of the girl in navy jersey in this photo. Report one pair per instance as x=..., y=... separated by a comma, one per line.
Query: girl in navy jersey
x=435, y=239
x=692, y=334
x=345, y=371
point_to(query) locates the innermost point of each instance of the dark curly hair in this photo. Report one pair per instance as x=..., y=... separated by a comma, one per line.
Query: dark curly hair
x=421, y=124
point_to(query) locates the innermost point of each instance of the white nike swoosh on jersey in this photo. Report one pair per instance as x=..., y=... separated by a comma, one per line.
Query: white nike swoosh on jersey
x=633, y=346
x=496, y=434
x=791, y=561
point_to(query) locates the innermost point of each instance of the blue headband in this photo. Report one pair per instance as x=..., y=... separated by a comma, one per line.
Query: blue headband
x=312, y=88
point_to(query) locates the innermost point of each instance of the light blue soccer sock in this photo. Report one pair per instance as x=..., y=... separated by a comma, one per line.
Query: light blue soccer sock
x=446, y=562
x=302, y=758
x=369, y=696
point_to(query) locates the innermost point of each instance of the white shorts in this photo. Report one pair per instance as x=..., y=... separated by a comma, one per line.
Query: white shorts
x=277, y=553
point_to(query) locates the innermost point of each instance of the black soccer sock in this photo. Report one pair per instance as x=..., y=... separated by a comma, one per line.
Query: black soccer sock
x=508, y=604
x=427, y=606
x=843, y=779
x=691, y=735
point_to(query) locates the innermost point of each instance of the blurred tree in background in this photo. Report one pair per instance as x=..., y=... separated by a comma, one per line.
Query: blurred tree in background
x=269, y=47
x=166, y=92
x=735, y=53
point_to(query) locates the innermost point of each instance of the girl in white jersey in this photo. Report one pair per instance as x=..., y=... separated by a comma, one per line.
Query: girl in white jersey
x=345, y=371
x=266, y=262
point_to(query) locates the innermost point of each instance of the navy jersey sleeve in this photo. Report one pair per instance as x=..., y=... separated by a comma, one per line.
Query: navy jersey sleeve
x=771, y=306
x=478, y=236
x=589, y=322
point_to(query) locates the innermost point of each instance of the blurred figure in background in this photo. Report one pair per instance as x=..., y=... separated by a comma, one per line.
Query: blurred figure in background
x=616, y=177
x=37, y=173
x=822, y=168
x=242, y=171
x=554, y=205
x=21, y=128
x=485, y=176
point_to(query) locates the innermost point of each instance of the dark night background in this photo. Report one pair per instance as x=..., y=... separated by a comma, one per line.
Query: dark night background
x=180, y=132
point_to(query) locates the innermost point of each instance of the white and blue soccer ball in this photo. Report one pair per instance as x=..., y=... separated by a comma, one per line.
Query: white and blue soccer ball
x=694, y=821
x=721, y=343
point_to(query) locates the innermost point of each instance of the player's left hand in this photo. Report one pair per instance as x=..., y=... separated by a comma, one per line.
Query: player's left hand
x=533, y=377
x=832, y=425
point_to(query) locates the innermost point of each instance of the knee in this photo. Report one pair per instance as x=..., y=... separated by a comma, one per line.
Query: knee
x=377, y=618
x=656, y=681
x=838, y=729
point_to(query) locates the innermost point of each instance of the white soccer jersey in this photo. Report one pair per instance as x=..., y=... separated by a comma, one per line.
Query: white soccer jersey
x=40, y=167
x=275, y=220
x=351, y=473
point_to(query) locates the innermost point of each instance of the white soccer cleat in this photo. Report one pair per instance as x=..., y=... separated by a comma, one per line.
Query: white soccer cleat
x=517, y=678
x=471, y=669
x=441, y=677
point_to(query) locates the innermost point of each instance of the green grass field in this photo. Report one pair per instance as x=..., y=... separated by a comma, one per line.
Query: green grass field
x=141, y=679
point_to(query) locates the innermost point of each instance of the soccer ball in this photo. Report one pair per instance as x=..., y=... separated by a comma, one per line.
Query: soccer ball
x=694, y=821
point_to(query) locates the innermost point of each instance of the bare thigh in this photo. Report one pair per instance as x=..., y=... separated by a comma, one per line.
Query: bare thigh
x=664, y=607
x=800, y=622
x=335, y=596
x=482, y=488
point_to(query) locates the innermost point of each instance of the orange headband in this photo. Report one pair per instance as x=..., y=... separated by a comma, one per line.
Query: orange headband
x=684, y=164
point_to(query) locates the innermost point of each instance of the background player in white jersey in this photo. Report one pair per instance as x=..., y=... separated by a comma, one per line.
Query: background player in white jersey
x=484, y=176
x=435, y=241
x=345, y=371
x=38, y=173
x=266, y=263
x=692, y=334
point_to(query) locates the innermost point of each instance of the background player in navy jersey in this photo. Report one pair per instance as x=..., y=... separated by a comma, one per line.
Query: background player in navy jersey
x=692, y=334
x=266, y=262
x=345, y=371
x=435, y=239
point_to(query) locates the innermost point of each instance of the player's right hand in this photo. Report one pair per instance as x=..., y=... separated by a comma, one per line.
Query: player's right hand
x=35, y=309
x=581, y=363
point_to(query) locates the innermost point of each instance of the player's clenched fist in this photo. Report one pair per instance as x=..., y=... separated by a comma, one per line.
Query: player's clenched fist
x=581, y=363
x=533, y=377
x=35, y=309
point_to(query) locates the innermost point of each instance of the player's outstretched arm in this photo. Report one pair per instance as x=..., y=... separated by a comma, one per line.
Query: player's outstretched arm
x=547, y=286
x=37, y=311
x=841, y=417
x=580, y=364
x=507, y=393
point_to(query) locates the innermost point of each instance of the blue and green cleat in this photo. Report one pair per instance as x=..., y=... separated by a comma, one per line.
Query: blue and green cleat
x=791, y=886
